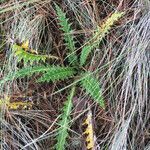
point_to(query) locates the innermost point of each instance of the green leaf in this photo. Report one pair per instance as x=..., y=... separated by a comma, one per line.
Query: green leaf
x=29, y=57
x=68, y=34
x=91, y=85
x=29, y=71
x=64, y=122
x=50, y=73
x=85, y=52
x=57, y=73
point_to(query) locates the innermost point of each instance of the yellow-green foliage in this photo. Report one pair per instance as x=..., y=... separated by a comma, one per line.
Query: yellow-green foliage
x=99, y=35
x=89, y=132
x=5, y=103
x=19, y=105
x=22, y=54
x=106, y=26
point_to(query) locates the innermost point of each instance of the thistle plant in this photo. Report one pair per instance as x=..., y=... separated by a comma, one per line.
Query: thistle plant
x=73, y=71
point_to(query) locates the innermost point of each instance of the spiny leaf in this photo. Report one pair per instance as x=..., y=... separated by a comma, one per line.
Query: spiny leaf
x=91, y=85
x=29, y=71
x=68, y=36
x=57, y=73
x=50, y=73
x=85, y=52
x=64, y=122
x=106, y=26
x=29, y=57
x=99, y=35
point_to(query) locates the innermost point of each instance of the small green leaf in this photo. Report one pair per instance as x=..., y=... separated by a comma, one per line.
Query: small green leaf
x=85, y=52
x=91, y=85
